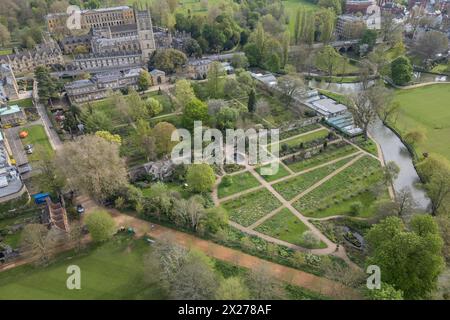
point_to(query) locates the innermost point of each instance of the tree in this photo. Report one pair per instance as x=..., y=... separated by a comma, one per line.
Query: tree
x=215, y=77
x=432, y=165
x=232, y=288
x=363, y=111
x=369, y=37
x=76, y=235
x=438, y=190
x=96, y=120
x=429, y=43
x=144, y=80
x=195, y=279
x=143, y=139
x=415, y=137
x=326, y=20
x=154, y=107
x=138, y=109
x=251, y=104
x=216, y=219
x=117, y=100
x=391, y=171
x=184, y=92
x=162, y=133
x=443, y=222
x=200, y=177
x=192, y=48
x=48, y=87
x=401, y=70
x=39, y=243
x=289, y=86
x=404, y=203
x=5, y=36
x=50, y=178
x=101, y=225
x=388, y=112
x=239, y=61
x=410, y=260
x=195, y=110
x=169, y=60
x=333, y=4
x=387, y=292
x=189, y=213
x=262, y=286
x=226, y=118
x=328, y=60
x=93, y=165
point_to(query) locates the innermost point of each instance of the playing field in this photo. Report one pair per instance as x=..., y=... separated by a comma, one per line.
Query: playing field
x=427, y=108
x=112, y=271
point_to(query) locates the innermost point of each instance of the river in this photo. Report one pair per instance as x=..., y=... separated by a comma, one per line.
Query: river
x=394, y=150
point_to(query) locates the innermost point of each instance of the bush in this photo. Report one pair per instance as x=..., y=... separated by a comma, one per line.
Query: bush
x=355, y=208
x=227, y=181
x=101, y=225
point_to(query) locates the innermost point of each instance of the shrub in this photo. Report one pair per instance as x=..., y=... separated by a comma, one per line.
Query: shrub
x=355, y=208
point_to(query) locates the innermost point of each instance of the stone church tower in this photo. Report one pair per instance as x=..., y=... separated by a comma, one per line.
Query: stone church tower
x=145, y=33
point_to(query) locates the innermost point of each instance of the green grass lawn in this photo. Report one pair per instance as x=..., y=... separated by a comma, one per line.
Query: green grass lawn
x=332, y=152
x=23, y=103
x=367, y=145
x=38, y=138
x=426, y=108
x=239, y=182
x=251, y=207
x=111, y=271
x=297, y=131
x=286, y=226
x=294, y=186
x=282, y=172
x=305, y=138
x=336, y=195
x=5, y=51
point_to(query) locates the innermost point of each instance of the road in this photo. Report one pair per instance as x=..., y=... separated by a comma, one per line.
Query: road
x=12, y=135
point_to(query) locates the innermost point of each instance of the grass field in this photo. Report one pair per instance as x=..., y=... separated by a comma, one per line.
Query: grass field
x=305, y=138
x=23, y=103
x=111, y=271
x=38, y=138
x=286, y=226
x=426, y=108
x=238, y=183
x=251, y=207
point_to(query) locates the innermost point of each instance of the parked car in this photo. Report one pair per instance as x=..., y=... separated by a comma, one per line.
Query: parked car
x=29, y=151
x=80, y=209
x=28, y=147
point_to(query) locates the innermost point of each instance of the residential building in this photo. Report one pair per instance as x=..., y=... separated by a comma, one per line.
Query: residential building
x=47, y=53
x=8, y=84
x=354, y=6
x=11, y=114
x=347, y=25
x=98, y=87
x=11, y=185
x=158, y=77
x=198, y=68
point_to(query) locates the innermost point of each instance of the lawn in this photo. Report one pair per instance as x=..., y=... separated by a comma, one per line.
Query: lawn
x=367, y=145
x=291, y=7
x=111, y=271
x=305, y=138
x=23, y=103
x=426, y=108
x=282, y=172
x=297, y=131
x=251, y=207
x=294, y=186
x=236, y=183
x=287, y=227
x=351, y=185
x=38, y=138
x=332, y=152
x=5, y=51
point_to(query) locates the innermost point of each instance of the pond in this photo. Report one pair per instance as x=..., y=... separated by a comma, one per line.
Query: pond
x=394, y=150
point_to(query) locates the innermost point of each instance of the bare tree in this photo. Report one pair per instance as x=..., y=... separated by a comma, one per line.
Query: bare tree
x=363, y=112
x=38, y=243
x=289, y=86
x=405, y=203
x=430, y=43
x=439, y=191
x=189, y=212
x=263, y=286
x=93, y=165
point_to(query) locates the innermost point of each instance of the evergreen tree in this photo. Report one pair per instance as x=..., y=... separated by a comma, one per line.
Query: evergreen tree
x=251, y=105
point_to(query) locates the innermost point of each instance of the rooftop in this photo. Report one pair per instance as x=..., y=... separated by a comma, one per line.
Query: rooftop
x=9, y=110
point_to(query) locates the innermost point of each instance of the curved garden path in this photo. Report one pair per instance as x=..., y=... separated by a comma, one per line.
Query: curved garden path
x=332, y=248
